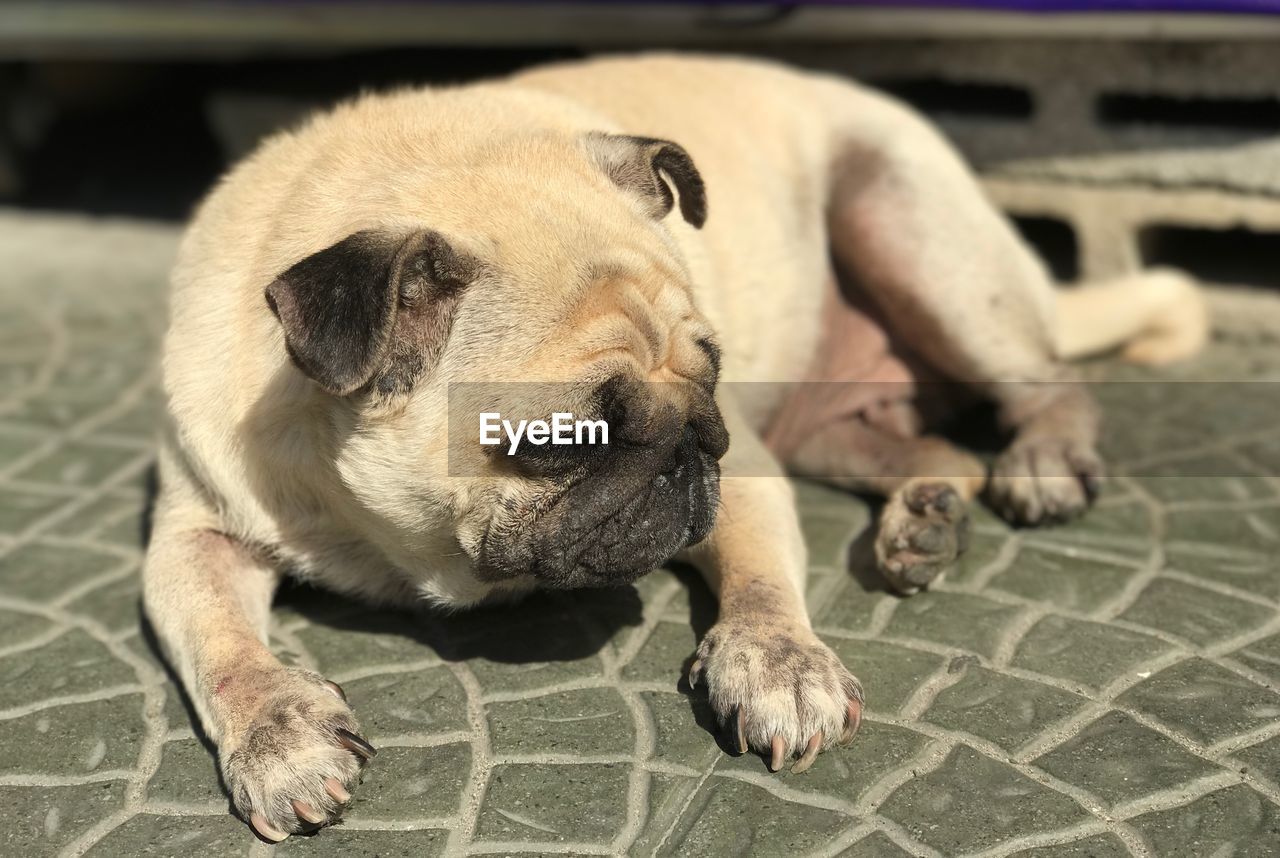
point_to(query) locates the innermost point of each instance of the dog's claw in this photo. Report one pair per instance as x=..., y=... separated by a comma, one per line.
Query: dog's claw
x=307, y=813
x=779, y=753
x=1092, y=483
x=810, y=754
x=695, y=673
x=265, y=829
x=853, y=720
x=356, y=745
x=336, y=690
x=741, y=725
x=336, y=790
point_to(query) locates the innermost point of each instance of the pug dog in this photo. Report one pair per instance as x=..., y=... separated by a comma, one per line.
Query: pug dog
x=742, y=269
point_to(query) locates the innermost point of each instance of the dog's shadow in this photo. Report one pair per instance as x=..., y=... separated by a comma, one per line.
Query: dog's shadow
x=703, y=612
x=545, y=626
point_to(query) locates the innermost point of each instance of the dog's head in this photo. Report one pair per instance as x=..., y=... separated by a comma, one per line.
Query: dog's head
x=559, y=292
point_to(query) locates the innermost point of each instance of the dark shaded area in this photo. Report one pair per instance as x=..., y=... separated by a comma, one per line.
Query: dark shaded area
x=148, y=152
x=703, y=612
x=545, y=626
x=1237, y=255
x=136, y=138
x=951, y=98
x=1055, y=241
x=860, y=562
x=1196, y=114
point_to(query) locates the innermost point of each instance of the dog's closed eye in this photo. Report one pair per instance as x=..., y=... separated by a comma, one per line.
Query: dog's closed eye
x=712, y=351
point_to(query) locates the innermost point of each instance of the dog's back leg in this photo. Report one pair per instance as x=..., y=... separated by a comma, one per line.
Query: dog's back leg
x=910, y=222
x=928, y=482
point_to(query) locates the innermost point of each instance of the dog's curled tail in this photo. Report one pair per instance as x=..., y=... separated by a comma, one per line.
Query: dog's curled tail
x=1156, y=317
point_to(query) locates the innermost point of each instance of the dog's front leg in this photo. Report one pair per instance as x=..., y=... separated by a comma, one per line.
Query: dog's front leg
x=288, y=746
x=774, y=685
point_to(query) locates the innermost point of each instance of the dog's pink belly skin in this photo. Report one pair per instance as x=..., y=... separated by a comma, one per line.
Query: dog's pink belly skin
x=855, y=371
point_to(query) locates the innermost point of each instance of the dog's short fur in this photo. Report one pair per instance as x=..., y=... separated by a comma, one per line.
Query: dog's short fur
x=602, y=226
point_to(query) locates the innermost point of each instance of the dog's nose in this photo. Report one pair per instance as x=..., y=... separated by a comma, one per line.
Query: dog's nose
x=643, y=414
x=687, y=450
x=708, y=428
x=692, y=449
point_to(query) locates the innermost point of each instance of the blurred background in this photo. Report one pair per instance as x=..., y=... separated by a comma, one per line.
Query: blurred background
x=1117, y=132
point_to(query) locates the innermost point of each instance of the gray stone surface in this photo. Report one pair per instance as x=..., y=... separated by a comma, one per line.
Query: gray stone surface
x=1246, y=168
x=1106, y=688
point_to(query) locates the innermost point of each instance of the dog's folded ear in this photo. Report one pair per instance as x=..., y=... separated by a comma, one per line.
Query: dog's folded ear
x=338, y=307
x=644, y=166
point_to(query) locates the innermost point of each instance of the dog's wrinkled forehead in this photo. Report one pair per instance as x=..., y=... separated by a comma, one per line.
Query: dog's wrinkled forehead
x=374, y=310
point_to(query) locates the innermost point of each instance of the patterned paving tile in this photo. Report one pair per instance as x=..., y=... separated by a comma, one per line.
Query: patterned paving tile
x=1089, y=653
x=726, y=816
x=151, y=834
x=414, y=784
x=40, y=820
x=554, y=803
x=953, y=620
x=1247, y=572
x=1005, y=710
x=891, y=674
x=1106, y=688
x=1232, y=821
x=1193, y=613
x=86, y=666
x=76, y=739
x=880, y=752
x=1098, y=846
x=1204, y=702
x=43, y=571
x=1262, y=656
x=349, y=843
x=187, y=775
x=1119, y=760
x=972, y=802
x=1068, y=582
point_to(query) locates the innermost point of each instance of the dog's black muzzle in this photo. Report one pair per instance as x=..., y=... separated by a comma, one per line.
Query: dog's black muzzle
x=624, y=511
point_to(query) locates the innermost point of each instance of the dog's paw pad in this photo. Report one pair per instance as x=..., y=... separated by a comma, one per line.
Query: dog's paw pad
x=292, y=768
x=782, y=694
x=923, y=529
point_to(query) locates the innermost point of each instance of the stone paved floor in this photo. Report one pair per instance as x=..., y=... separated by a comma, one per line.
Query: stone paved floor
x=1108, y=688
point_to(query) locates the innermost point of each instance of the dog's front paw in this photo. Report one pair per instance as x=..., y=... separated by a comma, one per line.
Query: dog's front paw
x=1045, y=481
x=293, y=767
x=923, y=529
x=777, y=691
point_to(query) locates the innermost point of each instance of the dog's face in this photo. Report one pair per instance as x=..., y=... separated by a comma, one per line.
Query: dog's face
x=563, y=294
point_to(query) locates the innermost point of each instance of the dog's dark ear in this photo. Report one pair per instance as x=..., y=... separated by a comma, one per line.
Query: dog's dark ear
x=338, y=307
x=644, y=166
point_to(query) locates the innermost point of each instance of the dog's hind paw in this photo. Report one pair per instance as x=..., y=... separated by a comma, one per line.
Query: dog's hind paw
x=1045, y=481
x=779, y=692
x=923, y=529
x=293, y=767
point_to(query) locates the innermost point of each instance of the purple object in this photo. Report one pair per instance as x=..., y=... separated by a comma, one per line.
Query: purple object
x=1257, y=7
x=1046, y=7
